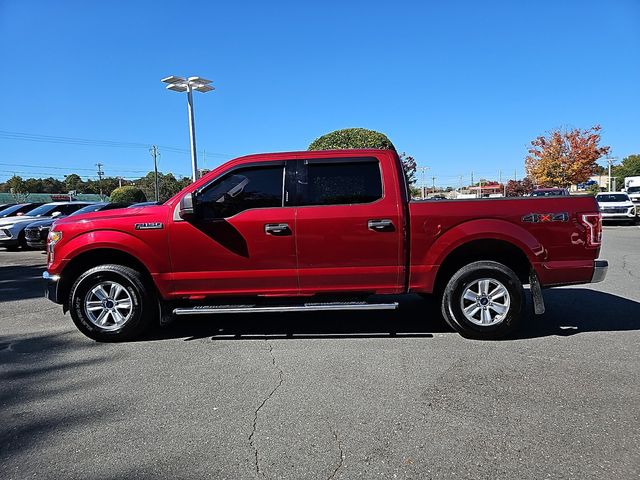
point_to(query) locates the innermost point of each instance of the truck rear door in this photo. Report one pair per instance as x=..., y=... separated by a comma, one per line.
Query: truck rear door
x=349, y=230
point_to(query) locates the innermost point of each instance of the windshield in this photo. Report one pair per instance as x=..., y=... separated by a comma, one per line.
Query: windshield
x=633, y=190
x=41, y=210
x=546, y=193
x=89, y=209
x=613, y=197
x=10, y=209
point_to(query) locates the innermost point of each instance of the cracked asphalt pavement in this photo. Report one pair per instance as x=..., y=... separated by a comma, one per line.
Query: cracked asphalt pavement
x=326, y=395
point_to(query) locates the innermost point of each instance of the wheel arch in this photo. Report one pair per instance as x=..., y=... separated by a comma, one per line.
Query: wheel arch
x=498, y=250
x=94, y=257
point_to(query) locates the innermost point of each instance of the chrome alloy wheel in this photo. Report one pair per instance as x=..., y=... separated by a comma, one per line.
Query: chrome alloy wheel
x=485, y=302
x=108, y=305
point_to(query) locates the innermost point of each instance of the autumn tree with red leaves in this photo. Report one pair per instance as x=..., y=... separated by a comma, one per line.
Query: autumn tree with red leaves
x=519, y=188
x=565, y=157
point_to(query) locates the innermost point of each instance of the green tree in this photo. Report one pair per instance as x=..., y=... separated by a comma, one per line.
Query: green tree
x=17, y=188
x=34, y=185
x=630, y=167
x=128, y=193
x=350, y=138
x=168, y=185
x=73, y=182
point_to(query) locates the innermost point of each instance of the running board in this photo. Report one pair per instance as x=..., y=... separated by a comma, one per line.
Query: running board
x=306, y=307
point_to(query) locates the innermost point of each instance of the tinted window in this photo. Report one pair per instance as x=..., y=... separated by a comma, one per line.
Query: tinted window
x=633, y=190
x=341, y=183
x=242, y=189
x=614, y=197
x=91, y=208
x=42, y=210
x=69, y=208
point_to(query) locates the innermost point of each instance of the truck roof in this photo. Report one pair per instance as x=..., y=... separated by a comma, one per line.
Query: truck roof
x=314, y=153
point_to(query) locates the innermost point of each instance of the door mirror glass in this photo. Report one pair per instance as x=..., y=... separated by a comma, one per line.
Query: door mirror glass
x=187, y=207
x=56, y=214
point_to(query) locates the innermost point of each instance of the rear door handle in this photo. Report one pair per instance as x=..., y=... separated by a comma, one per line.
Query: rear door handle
x=277, y=229
x=383, y=225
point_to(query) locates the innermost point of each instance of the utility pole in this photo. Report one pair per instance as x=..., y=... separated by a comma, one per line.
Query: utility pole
x=154, y=153
x=610, y=163
x=423, y=183
x=433, y=180
x=119, y=182
x=460, y=189
x=100, y=174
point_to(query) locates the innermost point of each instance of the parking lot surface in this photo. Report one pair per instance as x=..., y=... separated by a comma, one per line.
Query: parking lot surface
x=326, y=395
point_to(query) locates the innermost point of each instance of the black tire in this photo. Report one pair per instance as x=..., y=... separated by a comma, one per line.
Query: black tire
x=143, y=303
x=22, y=241
x=452, y=302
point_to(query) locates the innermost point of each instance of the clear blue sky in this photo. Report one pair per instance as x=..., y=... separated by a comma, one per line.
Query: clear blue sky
x=461, y=85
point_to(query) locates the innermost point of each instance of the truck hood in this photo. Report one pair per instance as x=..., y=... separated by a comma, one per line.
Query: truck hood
x=118, y=213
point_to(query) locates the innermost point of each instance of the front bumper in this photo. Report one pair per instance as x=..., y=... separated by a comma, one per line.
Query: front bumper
x=37, y=244
x=51, y=289
x=600, y=268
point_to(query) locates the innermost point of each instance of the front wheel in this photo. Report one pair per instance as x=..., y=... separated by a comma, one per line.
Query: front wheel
x=483, y=300
x=111, y=303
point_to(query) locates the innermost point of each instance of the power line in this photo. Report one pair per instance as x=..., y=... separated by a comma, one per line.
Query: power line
x=33, y=137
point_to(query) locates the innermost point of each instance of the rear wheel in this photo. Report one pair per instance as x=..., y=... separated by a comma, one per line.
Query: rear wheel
x=483, y=300
x=112, y=303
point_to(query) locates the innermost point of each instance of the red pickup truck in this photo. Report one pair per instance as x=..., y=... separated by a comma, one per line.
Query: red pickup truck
x=322, y=230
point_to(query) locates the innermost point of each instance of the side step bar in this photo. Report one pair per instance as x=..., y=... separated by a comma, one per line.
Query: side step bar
x=306, y=307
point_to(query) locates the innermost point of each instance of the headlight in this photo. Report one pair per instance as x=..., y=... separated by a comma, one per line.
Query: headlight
x=52, y=239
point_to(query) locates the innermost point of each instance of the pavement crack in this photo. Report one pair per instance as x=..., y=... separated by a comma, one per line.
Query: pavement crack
x=252, y=441
x=339, y=466
x=626, y=267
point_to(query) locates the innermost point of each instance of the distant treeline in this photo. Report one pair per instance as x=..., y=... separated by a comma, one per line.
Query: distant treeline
x=169, y=185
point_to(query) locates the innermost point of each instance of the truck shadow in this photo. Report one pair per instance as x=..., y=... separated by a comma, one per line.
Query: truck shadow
x=21, y=282
x=569, y=311
x=415, y=318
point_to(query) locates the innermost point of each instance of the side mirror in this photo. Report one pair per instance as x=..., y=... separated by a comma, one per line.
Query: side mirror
x=187, y=207
x=56, y=214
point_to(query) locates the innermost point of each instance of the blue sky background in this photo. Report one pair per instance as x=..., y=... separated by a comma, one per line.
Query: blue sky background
x=461, y=85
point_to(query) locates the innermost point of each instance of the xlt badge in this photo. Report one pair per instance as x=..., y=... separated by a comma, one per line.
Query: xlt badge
x=149, y=226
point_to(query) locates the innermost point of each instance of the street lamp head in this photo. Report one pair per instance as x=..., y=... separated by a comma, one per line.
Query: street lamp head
x=173, y=79
x=177, y=87
x=198, y=80
x=203, y=88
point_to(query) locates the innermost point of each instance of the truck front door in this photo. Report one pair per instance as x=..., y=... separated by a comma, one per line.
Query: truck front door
x=242, y=240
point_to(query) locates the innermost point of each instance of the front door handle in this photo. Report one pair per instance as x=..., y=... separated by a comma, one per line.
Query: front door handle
x=383, y=225
x=277, y=229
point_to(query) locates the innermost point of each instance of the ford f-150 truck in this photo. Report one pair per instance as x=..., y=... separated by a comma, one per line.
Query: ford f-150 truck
x=321, y=230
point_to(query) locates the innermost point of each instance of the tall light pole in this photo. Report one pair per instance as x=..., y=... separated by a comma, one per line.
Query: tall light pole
x=180, y=84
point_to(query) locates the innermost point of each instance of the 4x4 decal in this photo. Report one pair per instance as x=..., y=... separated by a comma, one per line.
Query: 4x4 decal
x=546, y=217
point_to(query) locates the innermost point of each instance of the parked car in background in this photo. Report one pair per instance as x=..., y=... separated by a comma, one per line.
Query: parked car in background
x=5, y=205
x=550, y=192
x=144, y=204
x=36, y=233
x=18, y=209
x=632, y=188
x=12, y=228
x=616, y=206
